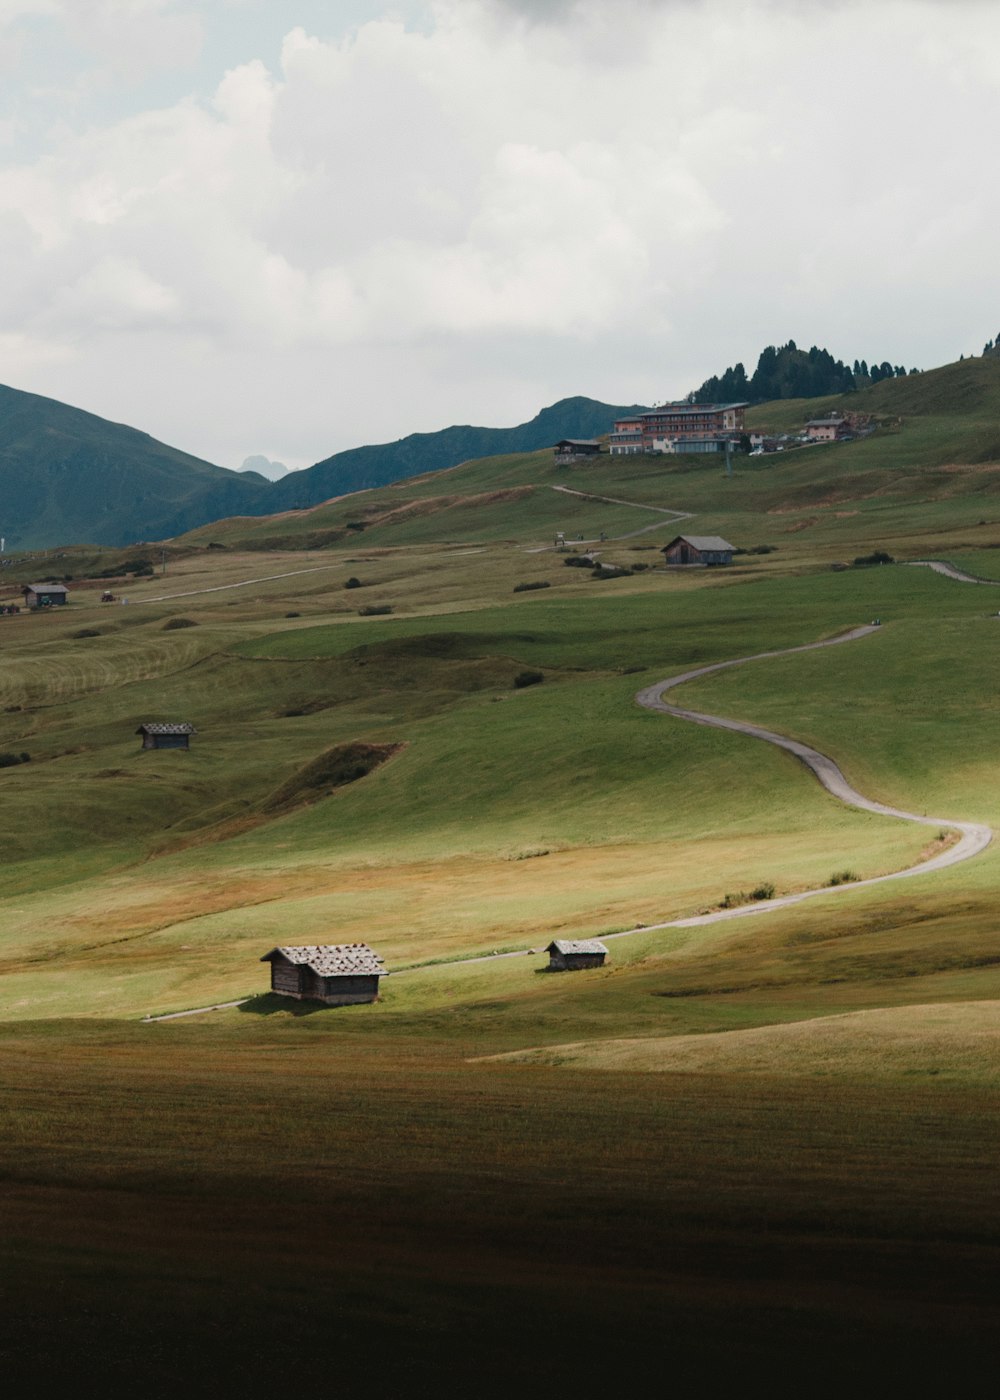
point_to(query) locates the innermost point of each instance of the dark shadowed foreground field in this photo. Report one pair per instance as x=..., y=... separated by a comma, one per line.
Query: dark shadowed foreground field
x=260, y=1211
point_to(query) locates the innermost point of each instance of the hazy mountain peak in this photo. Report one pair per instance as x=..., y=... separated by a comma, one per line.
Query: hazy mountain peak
x=265, y=467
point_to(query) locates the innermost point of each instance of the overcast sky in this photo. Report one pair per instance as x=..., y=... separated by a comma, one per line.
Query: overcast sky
x=295, y=227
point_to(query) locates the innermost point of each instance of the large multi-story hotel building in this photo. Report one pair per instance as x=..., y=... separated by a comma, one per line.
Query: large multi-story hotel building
x=678, y=427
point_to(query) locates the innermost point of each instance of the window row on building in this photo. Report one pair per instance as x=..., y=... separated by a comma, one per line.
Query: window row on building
x=678, y=427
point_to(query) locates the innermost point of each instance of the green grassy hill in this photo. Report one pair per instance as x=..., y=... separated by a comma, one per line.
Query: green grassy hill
x=931, y=469
x=762, y=1143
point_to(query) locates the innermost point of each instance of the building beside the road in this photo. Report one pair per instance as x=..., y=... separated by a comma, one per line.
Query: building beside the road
x=44, y=595
x=569, y=954
x=697, y=550
x=831, y=429
x=678, y=427
x=157, y=735
x=339, y=974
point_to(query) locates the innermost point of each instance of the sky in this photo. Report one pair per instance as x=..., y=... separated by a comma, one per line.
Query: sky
x=292, y=228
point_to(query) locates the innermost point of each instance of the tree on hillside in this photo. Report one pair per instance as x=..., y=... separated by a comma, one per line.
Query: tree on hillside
x=786, y=372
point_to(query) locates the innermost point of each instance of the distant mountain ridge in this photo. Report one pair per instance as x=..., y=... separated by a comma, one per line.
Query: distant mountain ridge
x=70, y=477
x=360, y=468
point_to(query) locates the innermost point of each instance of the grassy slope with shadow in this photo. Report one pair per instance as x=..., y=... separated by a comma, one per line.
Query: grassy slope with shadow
x=177, y=1195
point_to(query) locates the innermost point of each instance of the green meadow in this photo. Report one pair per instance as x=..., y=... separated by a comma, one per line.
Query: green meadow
x=761, y=1142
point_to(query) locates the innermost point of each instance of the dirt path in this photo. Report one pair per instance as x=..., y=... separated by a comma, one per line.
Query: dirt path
x=244, y=583
x=941, y=566
x=672, y=517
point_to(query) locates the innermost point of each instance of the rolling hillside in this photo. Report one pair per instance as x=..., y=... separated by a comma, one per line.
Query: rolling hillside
x=806, y=1089
x=70, y=477
x=932, y=466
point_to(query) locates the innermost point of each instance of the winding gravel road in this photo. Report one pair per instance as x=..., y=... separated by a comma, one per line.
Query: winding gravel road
x=974, y=837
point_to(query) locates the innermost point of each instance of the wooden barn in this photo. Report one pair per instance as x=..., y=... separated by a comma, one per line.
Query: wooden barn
x=44, y=595
x=568, y=954
x=339, y=974
x=157, y=735
x=571, y=449
x=698, y=550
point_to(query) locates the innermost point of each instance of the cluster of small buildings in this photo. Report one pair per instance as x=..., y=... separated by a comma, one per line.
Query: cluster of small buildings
x=835, y=427
x=706, y=427
x=347, y=974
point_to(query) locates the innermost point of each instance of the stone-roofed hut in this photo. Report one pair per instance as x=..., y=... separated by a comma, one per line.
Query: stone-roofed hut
x=339, y=974
x=568, y=954
x=44, y=595
x=698, y=550
x=157, y=735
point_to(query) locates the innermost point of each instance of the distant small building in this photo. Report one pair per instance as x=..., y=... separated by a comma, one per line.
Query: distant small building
x=831, y=429
x=165, y=736
x=339, y=974
x=569, y=954
x=698, y=550
x=570, y=449
x=44, y=595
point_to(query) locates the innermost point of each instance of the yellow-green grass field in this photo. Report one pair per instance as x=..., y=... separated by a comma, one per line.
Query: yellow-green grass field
x=253, y=1196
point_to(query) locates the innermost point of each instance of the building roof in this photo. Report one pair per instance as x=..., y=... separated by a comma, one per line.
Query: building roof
x=44, y=588
x=834, y=421
x=691, y=408
x=576, y=945
x=578, y=442
x=713, y=543
x=156, y=727
x=332, y=959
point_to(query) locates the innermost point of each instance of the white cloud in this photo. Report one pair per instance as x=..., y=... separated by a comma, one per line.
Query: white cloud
x=500, y=205
x=133, y=37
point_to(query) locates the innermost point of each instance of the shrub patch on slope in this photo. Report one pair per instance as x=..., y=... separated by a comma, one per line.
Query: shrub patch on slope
x=331, y=770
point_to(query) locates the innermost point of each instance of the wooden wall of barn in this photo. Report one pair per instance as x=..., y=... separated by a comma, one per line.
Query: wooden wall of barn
x=286, y=978
x=346, y=991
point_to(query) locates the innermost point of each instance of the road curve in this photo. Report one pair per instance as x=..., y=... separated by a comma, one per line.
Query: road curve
x=941, y=566
x=974, y=837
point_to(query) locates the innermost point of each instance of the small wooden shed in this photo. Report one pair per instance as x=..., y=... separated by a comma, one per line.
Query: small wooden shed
x=44, y=595
x=698, y=550
x=568, y=954
x=339, y=974
x=157, y=735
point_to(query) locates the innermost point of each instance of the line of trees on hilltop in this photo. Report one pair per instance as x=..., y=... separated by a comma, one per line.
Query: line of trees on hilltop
x=786, y=372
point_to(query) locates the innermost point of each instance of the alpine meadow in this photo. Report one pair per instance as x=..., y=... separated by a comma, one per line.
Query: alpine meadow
x=760, y=1138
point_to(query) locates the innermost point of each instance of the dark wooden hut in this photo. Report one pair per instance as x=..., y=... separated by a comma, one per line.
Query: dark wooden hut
x=568, y=954
x=44, y=595
x=698, y=549
x=156, y=735
x=571, y=449
x=339, y=974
